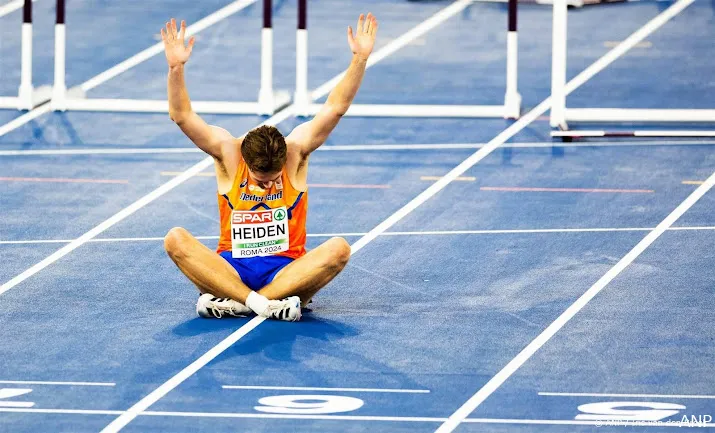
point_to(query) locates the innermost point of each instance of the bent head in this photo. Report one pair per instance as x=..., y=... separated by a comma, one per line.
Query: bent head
x=265, y=152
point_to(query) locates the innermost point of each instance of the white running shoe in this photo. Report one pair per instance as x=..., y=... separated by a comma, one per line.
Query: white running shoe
x=287, y=309
x=209, y=306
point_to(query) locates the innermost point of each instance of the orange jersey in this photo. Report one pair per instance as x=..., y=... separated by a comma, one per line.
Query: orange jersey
x=247, y=195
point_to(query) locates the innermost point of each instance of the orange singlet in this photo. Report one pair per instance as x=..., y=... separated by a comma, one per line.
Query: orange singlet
x=246, y=195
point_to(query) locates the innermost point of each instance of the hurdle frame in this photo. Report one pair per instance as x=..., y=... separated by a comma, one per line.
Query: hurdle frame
x=561, y=115
x=27, y=96
x=511, y=109
x=268, y=101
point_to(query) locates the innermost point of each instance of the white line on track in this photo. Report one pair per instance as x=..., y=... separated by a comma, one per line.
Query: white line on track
x=351, y=147
x=143, y=404
x=38, y=382
x=12, y=7
x=614, y=423
x=597, y=394
x=129, y=63
x=420, y=233
x=303, y=388
x=360, y=418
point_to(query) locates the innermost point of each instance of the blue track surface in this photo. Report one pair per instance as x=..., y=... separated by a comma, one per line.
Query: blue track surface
x=435, y=307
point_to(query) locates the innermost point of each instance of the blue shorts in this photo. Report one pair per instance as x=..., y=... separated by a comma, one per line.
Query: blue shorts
x=257, y=272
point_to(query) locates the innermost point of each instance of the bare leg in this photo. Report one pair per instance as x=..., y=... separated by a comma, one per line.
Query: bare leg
x=209, y=271
x=305, y=276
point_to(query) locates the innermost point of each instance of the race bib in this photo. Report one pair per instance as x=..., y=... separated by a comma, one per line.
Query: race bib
x=259, y=232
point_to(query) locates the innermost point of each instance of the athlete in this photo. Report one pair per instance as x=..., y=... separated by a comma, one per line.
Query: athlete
x=261, y=264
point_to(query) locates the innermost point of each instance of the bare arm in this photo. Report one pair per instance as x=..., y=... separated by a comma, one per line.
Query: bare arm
x=207, y=138
x=311, y=135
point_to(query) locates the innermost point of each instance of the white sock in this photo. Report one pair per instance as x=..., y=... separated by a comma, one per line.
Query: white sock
x=257, y=302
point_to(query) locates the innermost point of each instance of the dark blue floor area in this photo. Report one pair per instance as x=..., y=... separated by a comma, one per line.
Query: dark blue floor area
x=16, y=258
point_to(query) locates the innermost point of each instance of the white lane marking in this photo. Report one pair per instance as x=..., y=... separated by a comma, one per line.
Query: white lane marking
x=23, y=119
x=304, y=388
x=593, y=423
x=356, y=418
x=103, y=151
x=495, y=382
x=12, y=7
x=12, y=393
x=420, y=233
x=157, y=48
x=143, y=404
x=352, y=147
x=38, y=382
x=597, y=394
x=64, y=411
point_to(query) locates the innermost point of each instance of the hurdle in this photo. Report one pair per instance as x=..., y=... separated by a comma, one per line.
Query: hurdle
x=510, y=109
x=561, y=115
x=27, y=96
x=269, y=101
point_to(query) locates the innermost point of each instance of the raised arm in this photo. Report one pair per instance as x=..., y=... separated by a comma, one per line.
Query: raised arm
x=312, y=134
x=207, y=138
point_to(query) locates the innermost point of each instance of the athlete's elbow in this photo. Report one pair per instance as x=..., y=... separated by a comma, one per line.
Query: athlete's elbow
x=177, y=117
x=339, y=110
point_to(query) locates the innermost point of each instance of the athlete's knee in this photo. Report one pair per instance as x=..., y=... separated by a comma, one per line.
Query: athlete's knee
x=175, y=241
x=339, y=252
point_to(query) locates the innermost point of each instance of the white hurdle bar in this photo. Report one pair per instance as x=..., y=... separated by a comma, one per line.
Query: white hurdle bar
x=627, y=134
x=28, y=97
x=269, y=101
x=511, y=109
x=561, y=115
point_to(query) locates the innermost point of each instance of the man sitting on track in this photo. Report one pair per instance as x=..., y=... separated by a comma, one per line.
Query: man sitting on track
x=261, y=264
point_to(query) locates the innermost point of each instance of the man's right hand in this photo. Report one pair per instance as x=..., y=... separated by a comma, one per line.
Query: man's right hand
x=177, y=53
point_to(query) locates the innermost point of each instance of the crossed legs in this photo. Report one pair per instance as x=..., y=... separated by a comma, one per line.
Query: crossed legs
x=303, y=277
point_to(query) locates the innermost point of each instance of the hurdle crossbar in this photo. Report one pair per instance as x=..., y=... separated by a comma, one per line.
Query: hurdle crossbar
x=561, y=115
x=269, y=101
x=511, y=108
x=626, y=134
x=27, y=96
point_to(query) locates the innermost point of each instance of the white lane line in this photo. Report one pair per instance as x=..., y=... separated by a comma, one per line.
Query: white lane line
x=350, y=147
x=142, y=405
x=130, y=62
x=400, y=42
x=12, y=7
x=63, y=411
x=610, y=423
x=420, y=233
x=285, y=416
x=23, y=119
x=362, y=418
x=157, y=48
x=139, y=407
x=495, y=382
x=303, y=388
x=38, y=382
x=597, y=394
x=111, y=151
